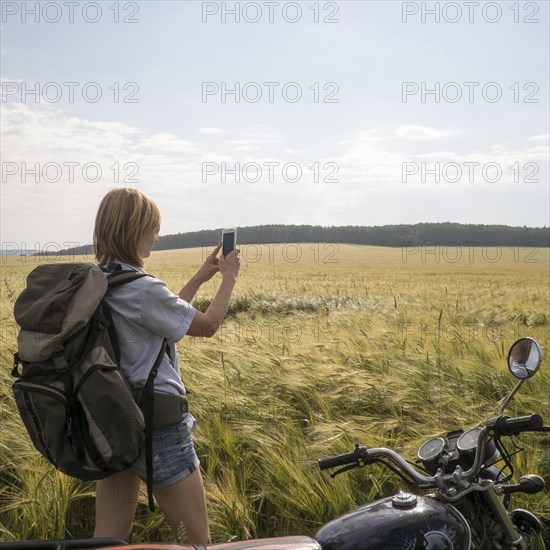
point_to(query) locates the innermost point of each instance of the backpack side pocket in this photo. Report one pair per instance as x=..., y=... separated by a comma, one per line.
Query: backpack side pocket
x=115, y=425
x=44, y=412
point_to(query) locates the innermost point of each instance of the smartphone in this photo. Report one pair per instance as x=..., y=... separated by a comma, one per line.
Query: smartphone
x=229, y=240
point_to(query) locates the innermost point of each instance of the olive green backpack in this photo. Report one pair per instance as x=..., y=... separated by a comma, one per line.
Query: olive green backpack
x=71, y=394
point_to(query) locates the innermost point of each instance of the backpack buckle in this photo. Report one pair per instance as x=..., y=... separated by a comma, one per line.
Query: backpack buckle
x=103, y=323
x=16, y=363
x=60, y=362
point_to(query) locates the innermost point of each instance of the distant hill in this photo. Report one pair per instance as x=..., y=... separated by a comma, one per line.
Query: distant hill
x=385, y=235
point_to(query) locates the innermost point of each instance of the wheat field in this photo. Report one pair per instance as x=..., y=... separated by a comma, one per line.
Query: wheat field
x=324, y=346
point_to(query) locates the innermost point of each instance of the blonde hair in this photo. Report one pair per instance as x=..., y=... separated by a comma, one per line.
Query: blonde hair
x=124, y=218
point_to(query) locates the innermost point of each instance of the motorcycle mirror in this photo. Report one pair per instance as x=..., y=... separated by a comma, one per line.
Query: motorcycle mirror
x=524, y=358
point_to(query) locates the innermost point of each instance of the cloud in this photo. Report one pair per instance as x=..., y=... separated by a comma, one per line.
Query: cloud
x=416, y=133
x=362, y=168
x=252, y=144
x=403, y=133
x=377, y=159
x=52, y=161
x=167, y=143
x=251, y=141
x=46, y=134
x=246, y=148
x=211, y=131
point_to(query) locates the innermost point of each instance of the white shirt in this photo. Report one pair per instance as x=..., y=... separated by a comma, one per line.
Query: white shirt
x=145, y=312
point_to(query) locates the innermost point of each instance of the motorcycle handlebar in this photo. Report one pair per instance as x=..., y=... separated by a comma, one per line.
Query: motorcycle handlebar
x=505, y=425
x=339, y=460
x=363, y=455
x=501, y=425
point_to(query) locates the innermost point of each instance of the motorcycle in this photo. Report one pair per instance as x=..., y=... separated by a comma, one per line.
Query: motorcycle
x=469, y=509
x=468, y=470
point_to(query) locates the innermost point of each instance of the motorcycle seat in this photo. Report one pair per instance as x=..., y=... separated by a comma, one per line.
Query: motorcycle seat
x=279, y=543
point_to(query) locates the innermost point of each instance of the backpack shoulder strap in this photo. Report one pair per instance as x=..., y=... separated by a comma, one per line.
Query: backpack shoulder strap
x=123, y=276
x=116, y=278
x=147, y=404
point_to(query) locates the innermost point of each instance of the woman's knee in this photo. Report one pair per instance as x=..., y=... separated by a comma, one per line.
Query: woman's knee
x=184, y=504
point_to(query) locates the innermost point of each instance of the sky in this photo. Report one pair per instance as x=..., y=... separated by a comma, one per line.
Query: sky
x=232, y=114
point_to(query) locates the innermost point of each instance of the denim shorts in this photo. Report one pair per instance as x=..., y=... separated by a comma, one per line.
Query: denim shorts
x=174, y=456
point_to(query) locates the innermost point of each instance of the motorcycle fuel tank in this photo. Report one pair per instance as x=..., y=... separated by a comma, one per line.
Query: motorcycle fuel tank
x=401, y=522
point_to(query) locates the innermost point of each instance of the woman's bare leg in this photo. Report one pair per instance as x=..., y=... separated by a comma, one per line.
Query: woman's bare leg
x=184, y=502
x=115, y=505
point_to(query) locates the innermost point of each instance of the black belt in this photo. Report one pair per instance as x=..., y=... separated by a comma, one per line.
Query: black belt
x=169, y=409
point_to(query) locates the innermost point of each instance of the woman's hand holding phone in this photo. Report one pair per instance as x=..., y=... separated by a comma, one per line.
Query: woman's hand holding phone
x=210, y=266
x=229, y=265
x=206, y=324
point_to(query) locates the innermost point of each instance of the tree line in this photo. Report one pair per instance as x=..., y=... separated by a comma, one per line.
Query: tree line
x=401, y=235
x=385, y=235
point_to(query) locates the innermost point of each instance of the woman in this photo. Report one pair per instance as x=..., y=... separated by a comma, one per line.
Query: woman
x=144, y=313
